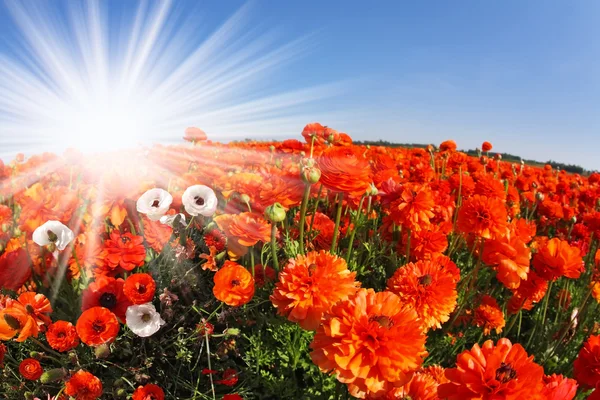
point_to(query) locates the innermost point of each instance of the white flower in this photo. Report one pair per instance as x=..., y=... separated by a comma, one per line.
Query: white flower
x=171, y=220
x=154, y=203
x=199, y=200
x=143, y=320
x=53, y=232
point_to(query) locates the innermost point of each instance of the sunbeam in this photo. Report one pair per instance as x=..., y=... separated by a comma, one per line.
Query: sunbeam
x=76, y=83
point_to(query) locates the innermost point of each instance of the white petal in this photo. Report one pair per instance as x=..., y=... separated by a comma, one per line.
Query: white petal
x=193, y=194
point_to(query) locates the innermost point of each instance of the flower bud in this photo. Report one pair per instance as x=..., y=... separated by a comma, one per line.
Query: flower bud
x=121, y=392
x=539, y=196
x=232, y=332
x=272, y=148
x=28, y=396
x=148, y=257
x=574, y=219
x=36, y=355
x=102, y=351
x=372, y=190
x=275, y=212
x=119, y=382
x=73, y=359
x=311, y=175
x=245, y=198
x=308, y=162
x=53, y=375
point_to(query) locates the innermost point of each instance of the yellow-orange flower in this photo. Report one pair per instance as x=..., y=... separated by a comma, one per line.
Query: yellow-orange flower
x=489, y=315
x=372, y=341
x=427, y=287
x=309, y=285
x=511, y=257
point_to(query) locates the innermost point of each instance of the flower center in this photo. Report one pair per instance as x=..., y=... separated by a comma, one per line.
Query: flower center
x=108, y=300
x=312, y=268
x=98, y=326
x=61, y=335
x=425, y=280
x=383, y=320
x=124, y=239
x=235, y=282
x=505, y=373
x=29, y=309
x=146, y=317
x=52, y=237
x=12, y=322
x=483, y=215
x=199, y=200
x=155, y=203
x=141, y=288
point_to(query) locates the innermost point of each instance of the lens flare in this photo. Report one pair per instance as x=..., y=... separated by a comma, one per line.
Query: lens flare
x=83, y=75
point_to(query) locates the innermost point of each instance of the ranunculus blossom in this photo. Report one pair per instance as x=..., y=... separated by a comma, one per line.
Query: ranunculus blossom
x=199, y=200
x=53, y=232
x=154, y=203
x=143, y=319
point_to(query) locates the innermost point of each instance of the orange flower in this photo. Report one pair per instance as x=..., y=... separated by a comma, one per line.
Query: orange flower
x=486, y=146
x=345, y=169
x=38, y=306
x=529, y=292
x=448, y=145
x=558, y=387
x=31, y=369
x=250, y=229
x=83, y=386
x=489, y=315
x=62, y=336
x=502, y=371
x=15, y=269
x=14, y=319
x=426, y=243
x=88, y=253
x=234, y=285
x=427, y=287
x=97, y=326
x=482, y=216
x=124, y=250
x=157, y=235
x=371, y=341
x=557, y=258
x=149, y=392
x=106, y=292
x=211, y=262
x=414, y=208
x=511, y=257
x=309, y=285
x=139, y=288
x=586, y=368
x=421, y=386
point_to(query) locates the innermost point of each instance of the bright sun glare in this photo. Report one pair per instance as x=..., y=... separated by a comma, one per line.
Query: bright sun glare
x=76, y=83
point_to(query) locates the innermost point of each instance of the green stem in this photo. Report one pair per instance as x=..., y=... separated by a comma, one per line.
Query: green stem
x=274, y=246
x=303, y=216
x=312, y=221
x=354, y=229
x=336, y=229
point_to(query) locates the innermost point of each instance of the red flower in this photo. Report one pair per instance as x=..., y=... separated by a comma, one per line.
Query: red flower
x=37, y=305
x=124, y=250
x=106, y=292
x=2, y=354
x=234, y=285
x=62, y=336
x=557, y=258
x=586, y=368
x=83, y=386
x=139, y=288
x=30, y=369
x=232, y=397
x=15, y=269
x=149, y=392
x=558, y=387
x=230, y=377
x=97, y=326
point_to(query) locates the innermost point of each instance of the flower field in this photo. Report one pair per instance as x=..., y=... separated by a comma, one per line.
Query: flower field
x=312, y=269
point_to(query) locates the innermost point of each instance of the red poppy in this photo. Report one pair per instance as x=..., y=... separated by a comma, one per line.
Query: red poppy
x=106, y=292
x=149, y=391
x=97, y=326
x=139, y=288
x=230, y=377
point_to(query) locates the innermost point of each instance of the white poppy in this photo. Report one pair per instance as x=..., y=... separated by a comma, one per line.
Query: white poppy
x=154, y=203
x=53, y=232
x=171, y=220
x=143, y=319
x=199, y=200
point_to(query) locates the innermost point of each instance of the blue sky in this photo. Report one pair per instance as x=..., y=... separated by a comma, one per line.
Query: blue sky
x=523, y=75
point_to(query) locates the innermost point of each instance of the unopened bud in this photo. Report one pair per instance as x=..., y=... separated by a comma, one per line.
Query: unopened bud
x=232, y=332
x=119, y=382
x=28, y=396
x=73, y=359
x=245, y=198
x=539, y=196
x=36, y=355
x=272, y=148
x=372, y=190
x=275, y=212
x=330, y=138
x=53, y=375
x=148, y=257
x=574, y=219
x=311, y=175
x=278, y=164
x=121, y=392
x=102, y=351
x=308, y=162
